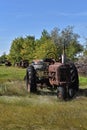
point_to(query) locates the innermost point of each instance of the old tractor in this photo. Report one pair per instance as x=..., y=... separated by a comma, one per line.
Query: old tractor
x=60, y=75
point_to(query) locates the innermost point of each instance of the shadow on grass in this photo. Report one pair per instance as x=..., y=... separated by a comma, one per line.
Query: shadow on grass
x=82, y=92
x=48, y=93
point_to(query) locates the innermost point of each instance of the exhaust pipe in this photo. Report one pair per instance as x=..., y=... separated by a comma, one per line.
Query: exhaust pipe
x=63, y=59
x=63, y=55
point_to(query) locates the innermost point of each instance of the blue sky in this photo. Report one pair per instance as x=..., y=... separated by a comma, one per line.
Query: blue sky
x=30, y=17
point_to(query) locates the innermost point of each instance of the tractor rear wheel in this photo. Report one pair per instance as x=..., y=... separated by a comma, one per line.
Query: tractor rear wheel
x=32, y=79
x=73, y=88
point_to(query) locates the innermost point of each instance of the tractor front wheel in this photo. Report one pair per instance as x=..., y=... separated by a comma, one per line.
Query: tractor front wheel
x=71, y=92
x=61, y=93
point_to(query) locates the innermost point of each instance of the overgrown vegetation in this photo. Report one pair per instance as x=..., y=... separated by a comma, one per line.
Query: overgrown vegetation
x=41, y=112
x=20, y=110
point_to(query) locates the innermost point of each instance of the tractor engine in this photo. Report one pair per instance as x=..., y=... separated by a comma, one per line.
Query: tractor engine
x=64, y=77
x=59, y=74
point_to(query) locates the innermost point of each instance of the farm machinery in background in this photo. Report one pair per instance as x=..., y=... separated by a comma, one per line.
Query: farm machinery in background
x=61, y=75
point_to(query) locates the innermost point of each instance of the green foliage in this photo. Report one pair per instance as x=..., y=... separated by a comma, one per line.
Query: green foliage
x=22, y=49
x=3, y=58
x=45, y=48
x=29, y=48
x=68, y=38
x=85, y=48
x=15, y=50
x=72, y=49
x=45, y=35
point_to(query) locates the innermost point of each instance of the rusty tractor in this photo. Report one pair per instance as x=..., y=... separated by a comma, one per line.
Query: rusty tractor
x=61, y=75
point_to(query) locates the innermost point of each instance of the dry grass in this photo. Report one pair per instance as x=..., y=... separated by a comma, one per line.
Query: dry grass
x=42, y=112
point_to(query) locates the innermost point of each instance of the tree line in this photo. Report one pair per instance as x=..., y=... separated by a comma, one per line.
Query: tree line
x=48, y=45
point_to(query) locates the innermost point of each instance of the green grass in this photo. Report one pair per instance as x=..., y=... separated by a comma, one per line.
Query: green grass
x=11, y=73
x=20, y=110
x=83, y=81
x=14, y=73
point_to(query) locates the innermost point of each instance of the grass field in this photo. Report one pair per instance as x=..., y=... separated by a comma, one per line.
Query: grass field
x=11, y=73
x=20, y=110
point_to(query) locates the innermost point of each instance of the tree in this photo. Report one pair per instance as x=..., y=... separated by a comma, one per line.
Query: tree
x=43, y=49
x=44, y=36
x=15, y=49
x=3, y=58
x=44, y=45
x=85, y=48
x=22, y=49
x=68, y=38
x=56, y=39
x=28, y=48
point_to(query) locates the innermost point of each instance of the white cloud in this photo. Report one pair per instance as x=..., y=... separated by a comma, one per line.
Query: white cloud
x=72, y=14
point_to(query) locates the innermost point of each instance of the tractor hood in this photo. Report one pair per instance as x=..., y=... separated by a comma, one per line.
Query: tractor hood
x=59, y=74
